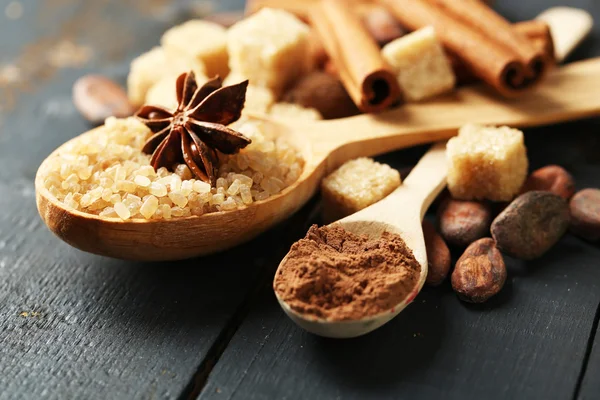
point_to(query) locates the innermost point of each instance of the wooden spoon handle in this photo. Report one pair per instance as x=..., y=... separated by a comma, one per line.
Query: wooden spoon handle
x=428, y=178
x=568, y=93
x=569, y=26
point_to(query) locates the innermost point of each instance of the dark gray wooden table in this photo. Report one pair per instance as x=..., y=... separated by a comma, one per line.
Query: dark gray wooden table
x=78, y=326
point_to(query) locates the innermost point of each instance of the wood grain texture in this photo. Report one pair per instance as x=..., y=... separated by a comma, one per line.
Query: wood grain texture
x=73, y=325
x=529, y=342
x=590, y=383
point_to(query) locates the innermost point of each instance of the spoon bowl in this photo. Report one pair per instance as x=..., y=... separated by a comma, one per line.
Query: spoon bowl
x=401, y=213
x=568, y=93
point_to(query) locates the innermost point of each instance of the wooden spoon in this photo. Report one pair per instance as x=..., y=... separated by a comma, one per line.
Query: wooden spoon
x=401, y=212
x=568, y=93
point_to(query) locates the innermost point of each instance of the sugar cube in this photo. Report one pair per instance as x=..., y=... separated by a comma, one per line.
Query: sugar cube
x=486, y=163
x=421, y=66
x=201, y=40
x=150, y=67
x=356, y=185
x=271, y=48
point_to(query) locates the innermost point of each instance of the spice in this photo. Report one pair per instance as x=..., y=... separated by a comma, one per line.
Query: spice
x=531, y=225
x=438, y=255
x=337, y=275
x=97, y=97
x=101, y=168
x=536, y=31
x=480, y=272
x=369, y=80
x=585, y=214
x=551, y=178
x=196, y=129
x=323, y=92
x=463, y=222
x=480, y=38
x=382, y=25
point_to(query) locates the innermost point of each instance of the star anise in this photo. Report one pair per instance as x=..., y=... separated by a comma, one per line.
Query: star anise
x=196, y=129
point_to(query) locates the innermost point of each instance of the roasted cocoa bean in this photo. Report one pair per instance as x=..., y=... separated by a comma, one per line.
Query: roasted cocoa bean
x=531, y=224
x=480, y=272
x=438, y=255
x=463, y=222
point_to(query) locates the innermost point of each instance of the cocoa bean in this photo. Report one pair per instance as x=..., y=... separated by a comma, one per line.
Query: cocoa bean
x=480, y=272
x=551, y=178
x=97, y=97
x=463, y=222
x=585, y=214
x=531, y=224
x=325, y=93
x=382, y=25
x=438, y=255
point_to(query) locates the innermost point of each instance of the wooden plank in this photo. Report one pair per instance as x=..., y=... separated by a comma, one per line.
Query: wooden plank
x=590, y=373
x=73, y=325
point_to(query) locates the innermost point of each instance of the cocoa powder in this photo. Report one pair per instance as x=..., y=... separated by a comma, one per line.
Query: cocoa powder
x=337, y=275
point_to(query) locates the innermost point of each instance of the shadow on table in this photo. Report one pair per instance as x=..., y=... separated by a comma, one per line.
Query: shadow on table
x=204, y=291
x=411, y=339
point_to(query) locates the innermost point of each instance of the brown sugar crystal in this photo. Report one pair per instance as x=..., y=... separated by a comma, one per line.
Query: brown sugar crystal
x=337, y=275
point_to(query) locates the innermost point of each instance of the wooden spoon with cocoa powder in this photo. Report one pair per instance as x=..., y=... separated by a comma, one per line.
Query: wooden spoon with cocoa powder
x=568, y=93
x=400, y=213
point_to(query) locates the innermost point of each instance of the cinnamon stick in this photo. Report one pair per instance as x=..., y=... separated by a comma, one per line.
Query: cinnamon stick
x=492, y=62
x=368, y=79
x=537, y=32
x=478, y=15
x=381, y=25
x=301, y=8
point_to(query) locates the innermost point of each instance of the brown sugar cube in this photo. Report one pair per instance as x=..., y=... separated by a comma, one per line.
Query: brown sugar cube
x=150, y=67
x=486, y=163
x=201, y=40
x=271, y=48
x=356, y=185
x=421, y=66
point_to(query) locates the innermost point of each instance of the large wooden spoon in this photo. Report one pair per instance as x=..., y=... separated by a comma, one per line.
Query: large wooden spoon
x=569, y=93
x=401, y=212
